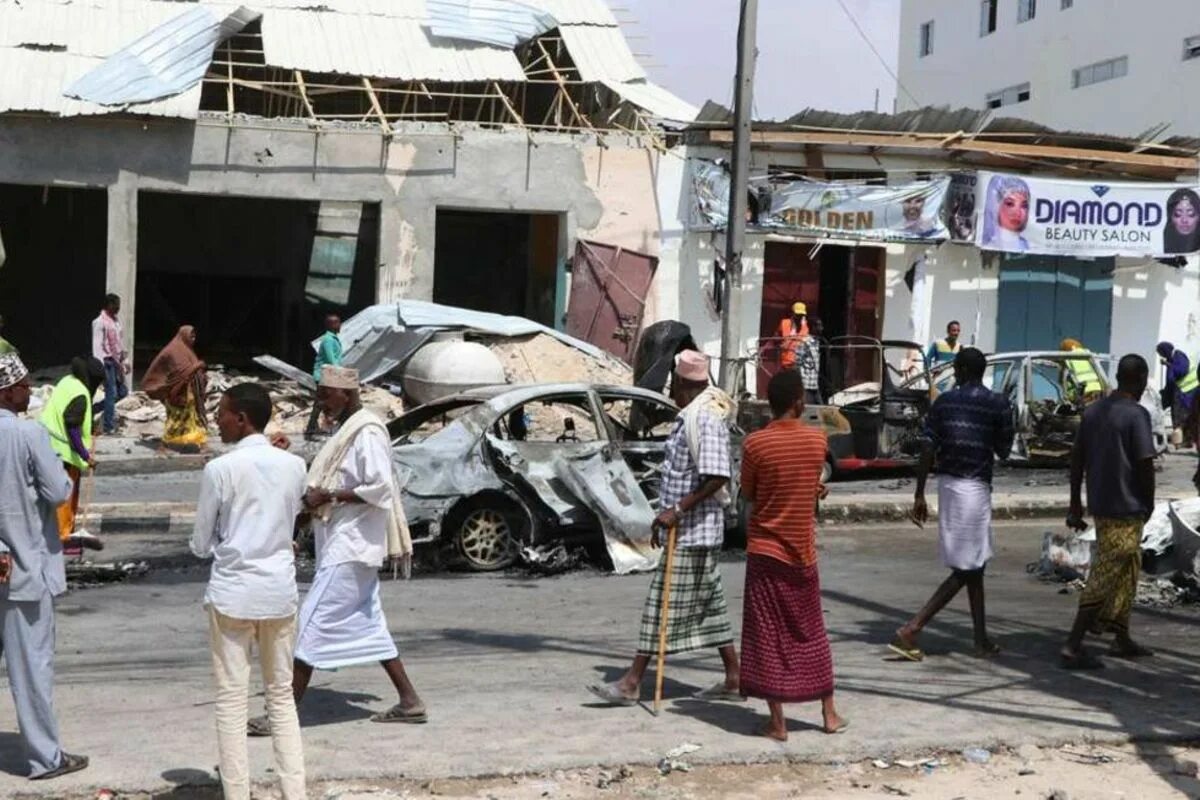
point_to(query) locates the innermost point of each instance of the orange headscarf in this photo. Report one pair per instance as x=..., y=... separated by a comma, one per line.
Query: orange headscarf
x=173, y=369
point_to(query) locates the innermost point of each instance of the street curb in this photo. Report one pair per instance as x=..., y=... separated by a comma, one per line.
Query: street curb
x=150, y=465
x=850, y=512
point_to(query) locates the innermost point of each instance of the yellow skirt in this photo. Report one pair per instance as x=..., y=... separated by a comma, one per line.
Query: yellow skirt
x=184, y=428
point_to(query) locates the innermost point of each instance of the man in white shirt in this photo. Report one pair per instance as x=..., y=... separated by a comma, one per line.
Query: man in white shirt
x=249, y=501
x=359, y=524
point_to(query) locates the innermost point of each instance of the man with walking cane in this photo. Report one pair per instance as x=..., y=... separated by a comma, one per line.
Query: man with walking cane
x=694, y=495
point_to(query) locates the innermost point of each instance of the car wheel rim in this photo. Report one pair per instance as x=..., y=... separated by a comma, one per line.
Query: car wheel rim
x=486, y=537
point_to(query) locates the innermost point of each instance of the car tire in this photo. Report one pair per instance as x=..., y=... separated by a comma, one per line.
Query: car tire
x=487, y=534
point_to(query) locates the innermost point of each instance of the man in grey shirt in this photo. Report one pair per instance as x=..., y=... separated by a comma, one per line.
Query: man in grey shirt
x=33, y=484
x=1115, y=448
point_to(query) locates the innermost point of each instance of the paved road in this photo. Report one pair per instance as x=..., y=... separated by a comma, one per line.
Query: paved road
x=502, y=661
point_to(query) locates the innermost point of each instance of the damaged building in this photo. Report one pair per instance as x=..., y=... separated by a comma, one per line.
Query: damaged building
x=295, y=158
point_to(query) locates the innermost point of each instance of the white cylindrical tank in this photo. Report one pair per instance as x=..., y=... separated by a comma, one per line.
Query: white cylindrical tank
x=448, y=366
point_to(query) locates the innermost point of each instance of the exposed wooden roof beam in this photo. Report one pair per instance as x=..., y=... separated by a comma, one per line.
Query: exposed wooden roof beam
x=913, y=142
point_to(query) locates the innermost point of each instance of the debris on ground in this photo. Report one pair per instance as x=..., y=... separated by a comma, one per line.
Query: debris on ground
x=1066, y=556
x=544, y=359
x=552, y=559
x=608, y=778
x=673, y=761
x=85, y=574
x=1167, y=592
x=977, y=755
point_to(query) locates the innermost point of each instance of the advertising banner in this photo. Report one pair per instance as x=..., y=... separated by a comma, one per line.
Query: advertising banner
x=1018, y=214
x=911, y=212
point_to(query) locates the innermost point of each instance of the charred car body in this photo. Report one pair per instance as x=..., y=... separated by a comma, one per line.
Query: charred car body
x=493, y=468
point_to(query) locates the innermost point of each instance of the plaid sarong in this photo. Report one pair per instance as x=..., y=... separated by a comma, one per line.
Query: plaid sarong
x=698, y=617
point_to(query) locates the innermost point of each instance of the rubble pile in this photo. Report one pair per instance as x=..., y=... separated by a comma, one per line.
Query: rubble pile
x=544, y=359
x=141, y=417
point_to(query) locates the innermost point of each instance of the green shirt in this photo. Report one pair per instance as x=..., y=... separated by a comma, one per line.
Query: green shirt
x=329, y=351
x=6, y=347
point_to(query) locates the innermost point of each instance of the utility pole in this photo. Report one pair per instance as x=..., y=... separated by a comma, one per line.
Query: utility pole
x=739, y=184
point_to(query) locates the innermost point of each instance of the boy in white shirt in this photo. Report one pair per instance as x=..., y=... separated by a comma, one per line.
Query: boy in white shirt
x=249, y=500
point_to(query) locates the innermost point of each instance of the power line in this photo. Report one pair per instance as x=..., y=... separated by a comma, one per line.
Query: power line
x=883, y=62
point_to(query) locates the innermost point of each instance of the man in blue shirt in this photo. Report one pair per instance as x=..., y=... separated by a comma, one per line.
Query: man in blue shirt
x=943, y=351
x=966, y=430
x=329, y=353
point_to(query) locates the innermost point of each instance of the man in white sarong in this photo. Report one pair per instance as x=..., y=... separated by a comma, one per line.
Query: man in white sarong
x=967, y=429
x=359, y=524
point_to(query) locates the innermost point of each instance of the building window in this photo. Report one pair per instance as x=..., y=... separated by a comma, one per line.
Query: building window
x=1007, y=97
x=1191, y=48
x=1067, y=4
x=1026, y=10
x=987, y=16
x=926, y=39
x=1100, y=71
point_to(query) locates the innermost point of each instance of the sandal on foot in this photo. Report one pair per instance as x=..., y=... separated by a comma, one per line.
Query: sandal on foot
x=989, y=650
x=839, y=729
x=398, y=713
x=1081, y=661
x=718, y=692
x=258, y=727
x=611, y=694
x=70, y=763
x=1132, y=650
x=906, y=651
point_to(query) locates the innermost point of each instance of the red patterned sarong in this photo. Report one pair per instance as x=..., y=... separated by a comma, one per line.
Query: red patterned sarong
x=785, y=650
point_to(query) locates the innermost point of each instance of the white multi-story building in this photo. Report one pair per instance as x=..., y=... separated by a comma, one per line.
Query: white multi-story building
x=1124, y=67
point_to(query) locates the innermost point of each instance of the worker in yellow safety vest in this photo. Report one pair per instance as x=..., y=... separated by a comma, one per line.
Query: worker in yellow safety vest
x=1085, y=383
x=1183, y=381
x=68, y=417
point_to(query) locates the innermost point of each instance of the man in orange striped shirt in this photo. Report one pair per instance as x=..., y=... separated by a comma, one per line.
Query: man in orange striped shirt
x=785, y=650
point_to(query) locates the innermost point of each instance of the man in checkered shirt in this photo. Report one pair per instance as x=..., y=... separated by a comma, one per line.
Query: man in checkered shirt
x=693, y=496
x=808, y=362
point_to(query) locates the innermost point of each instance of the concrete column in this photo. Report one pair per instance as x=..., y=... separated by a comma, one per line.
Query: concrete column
x=121, y=272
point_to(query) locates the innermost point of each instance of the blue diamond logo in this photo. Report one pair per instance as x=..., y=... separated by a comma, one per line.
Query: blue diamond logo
x=1100, y=190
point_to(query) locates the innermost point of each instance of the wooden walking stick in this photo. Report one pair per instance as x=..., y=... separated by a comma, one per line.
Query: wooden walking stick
x=663, y=621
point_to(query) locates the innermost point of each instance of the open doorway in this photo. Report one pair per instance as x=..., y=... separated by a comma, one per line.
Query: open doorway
x=52, y=283
x=254, y=275
x=842, y=288
x=498, y=262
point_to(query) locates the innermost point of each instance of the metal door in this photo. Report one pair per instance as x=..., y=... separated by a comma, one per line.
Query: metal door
x=609, y=286
x=1045, y=299
x=788, y=275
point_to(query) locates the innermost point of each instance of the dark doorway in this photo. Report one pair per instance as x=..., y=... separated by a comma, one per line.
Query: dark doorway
x=253, y=275
x=503, y=263
x=840, y=285
x=52, y=284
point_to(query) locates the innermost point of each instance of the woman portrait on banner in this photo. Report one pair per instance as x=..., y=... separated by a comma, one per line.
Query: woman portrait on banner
x=176, y=378
x=1006, y=214
x=1181, y=234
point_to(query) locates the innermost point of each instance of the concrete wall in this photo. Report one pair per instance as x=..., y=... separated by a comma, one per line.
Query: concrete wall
x=964, y=67
x=602, y=189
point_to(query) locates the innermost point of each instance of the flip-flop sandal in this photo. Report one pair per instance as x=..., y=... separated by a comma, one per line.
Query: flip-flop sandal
x=718, y=693
x=398, y=713
x=1137, y=651
x=1080, y=662
x=991, y=651
x=258, y=727
x=609, y=693
x=839, y=729
x=905, y=651
x=70, y=763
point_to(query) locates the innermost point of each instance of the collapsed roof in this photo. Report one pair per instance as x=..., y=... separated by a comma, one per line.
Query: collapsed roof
x=550, y=64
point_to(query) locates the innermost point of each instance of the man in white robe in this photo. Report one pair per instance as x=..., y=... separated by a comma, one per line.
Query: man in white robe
x=359, y=524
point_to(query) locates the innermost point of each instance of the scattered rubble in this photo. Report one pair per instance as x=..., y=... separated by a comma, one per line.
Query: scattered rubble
x=86, y=574
x=673, y=761
x=552, y=559
x=1066, y=556
x=544, y=359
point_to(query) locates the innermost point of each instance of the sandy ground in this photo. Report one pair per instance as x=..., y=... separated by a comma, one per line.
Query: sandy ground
x=1071, y=772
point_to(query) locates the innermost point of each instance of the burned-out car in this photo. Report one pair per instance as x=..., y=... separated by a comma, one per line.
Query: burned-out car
x=497, y=467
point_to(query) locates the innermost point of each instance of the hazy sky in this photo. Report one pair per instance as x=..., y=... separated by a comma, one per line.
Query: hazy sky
x=810, y=55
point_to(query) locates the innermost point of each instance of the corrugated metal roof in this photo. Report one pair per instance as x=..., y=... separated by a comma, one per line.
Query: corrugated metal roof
x=43, y=74
x=656, y=100
x=378, y=47
x=501, y=23
x=601, y=53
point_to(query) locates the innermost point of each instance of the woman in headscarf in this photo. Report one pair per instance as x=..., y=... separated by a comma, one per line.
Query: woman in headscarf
x=1181, y=234
x=1182, y=383
x=176, y=378
x=1006, y=214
